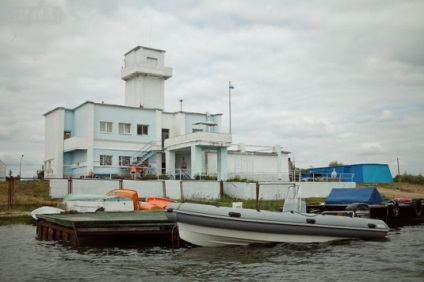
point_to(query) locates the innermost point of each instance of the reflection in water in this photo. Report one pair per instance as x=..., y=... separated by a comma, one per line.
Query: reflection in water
x=399, y=257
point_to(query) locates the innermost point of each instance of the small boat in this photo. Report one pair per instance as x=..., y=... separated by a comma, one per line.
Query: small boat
x=94, y=203
x=45, y=210
x=114, y=200
x=208, y=226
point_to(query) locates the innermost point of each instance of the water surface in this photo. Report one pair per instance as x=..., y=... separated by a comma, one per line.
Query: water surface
x=400, y=257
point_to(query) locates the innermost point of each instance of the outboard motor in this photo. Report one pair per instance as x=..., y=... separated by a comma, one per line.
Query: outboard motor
x=359, y=209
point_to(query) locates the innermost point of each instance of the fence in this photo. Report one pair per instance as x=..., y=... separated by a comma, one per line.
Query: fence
x=180, y=190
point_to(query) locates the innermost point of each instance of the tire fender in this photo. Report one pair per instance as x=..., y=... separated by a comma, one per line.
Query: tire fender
x=394, y=209
x=417, y=207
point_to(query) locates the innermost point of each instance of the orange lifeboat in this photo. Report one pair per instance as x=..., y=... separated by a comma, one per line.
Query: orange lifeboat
x=126, y=193
x=160, y=202
x=145, y=206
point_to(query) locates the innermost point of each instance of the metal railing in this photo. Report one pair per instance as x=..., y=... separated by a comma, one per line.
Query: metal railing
x=144, y=153
x=327, y=177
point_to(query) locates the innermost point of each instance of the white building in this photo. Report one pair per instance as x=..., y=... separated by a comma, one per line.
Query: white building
x=105, y=140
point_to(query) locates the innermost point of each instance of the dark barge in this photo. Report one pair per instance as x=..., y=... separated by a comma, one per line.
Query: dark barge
x=368, y=202
x=143, y=227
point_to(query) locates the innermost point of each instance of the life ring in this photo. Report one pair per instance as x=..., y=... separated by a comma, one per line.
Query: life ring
x=403, y=200
x=417, y=207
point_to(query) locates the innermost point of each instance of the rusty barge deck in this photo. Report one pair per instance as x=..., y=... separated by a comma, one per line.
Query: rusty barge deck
x=85, y=228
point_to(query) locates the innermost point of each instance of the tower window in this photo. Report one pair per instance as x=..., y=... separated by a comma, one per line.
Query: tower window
x=152, y=61
x=142, y=129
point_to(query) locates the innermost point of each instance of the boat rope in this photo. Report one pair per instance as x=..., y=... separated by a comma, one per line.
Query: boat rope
x=173, y=236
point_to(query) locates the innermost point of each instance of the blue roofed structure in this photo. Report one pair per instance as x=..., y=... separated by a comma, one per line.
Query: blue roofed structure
x=359, y=173
x=369, y=195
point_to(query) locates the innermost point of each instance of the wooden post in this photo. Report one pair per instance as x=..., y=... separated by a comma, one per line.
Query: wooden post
x=221, y=189
x=181, y=192
x=257, y=195
x=11, y=192
x=164, y=188
x=70, y=185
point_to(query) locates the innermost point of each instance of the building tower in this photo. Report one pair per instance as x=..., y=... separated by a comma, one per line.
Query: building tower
x=144, y=73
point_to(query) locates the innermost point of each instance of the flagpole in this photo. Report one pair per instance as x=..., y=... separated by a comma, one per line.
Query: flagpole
x=229, y=94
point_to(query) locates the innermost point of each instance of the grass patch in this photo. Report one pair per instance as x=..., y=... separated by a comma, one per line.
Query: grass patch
x=29, y=195
x=20, y=219
x=271, y=205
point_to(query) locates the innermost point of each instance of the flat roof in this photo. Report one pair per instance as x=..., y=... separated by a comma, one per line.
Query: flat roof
x=139, y=47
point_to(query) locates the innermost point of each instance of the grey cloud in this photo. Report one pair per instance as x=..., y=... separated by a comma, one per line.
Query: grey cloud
x=327, y=80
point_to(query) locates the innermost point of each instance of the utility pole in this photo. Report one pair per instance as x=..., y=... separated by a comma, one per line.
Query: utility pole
x=20, y=167
x=230, y=86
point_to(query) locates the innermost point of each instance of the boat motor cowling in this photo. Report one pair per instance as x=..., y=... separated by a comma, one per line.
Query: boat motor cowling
x=359, y=209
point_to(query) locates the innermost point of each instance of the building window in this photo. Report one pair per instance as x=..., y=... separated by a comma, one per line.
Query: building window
x=124, y=161
x=197, y=130
x=142, y=129
x=124, y=128
x=152, y=61
x=105, y=160
x=105, y=127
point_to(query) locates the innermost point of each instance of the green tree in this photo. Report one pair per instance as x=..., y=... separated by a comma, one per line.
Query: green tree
x=334, y=163
x=40, y=173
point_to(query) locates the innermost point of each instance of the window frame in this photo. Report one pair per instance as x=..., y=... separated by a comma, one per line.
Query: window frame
x=151, y=61
x=144, y=129
x=124, y=161
x=106, y=160
x=123, y=128
x=106, y=127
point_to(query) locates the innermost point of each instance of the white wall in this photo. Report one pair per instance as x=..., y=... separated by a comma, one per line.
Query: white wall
x=278, y=190
x=195, y=189
x=53, y=142
x=3, y=169
x=250, y=165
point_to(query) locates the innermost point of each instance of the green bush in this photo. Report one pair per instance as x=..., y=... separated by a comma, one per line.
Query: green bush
x=204, y=177
x=238, y=179
x=409, y=178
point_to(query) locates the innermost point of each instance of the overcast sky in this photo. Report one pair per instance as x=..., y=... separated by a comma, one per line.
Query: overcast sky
x=327, y=80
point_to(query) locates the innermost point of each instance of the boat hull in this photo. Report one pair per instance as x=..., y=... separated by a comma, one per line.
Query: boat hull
x=45, y=210
x=206, y=225
x=216, y=237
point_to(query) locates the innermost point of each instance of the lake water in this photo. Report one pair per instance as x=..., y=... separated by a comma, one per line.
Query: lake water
x=400, y=257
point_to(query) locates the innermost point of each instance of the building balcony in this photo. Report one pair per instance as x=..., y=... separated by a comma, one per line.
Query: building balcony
x=199, y=138
x=75, y=143
x=132, y=71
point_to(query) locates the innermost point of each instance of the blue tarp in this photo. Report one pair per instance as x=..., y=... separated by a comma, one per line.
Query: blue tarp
x=369, y=195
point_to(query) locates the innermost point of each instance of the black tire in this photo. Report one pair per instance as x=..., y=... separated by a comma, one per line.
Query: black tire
x=394, y=209
x=417, y=207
